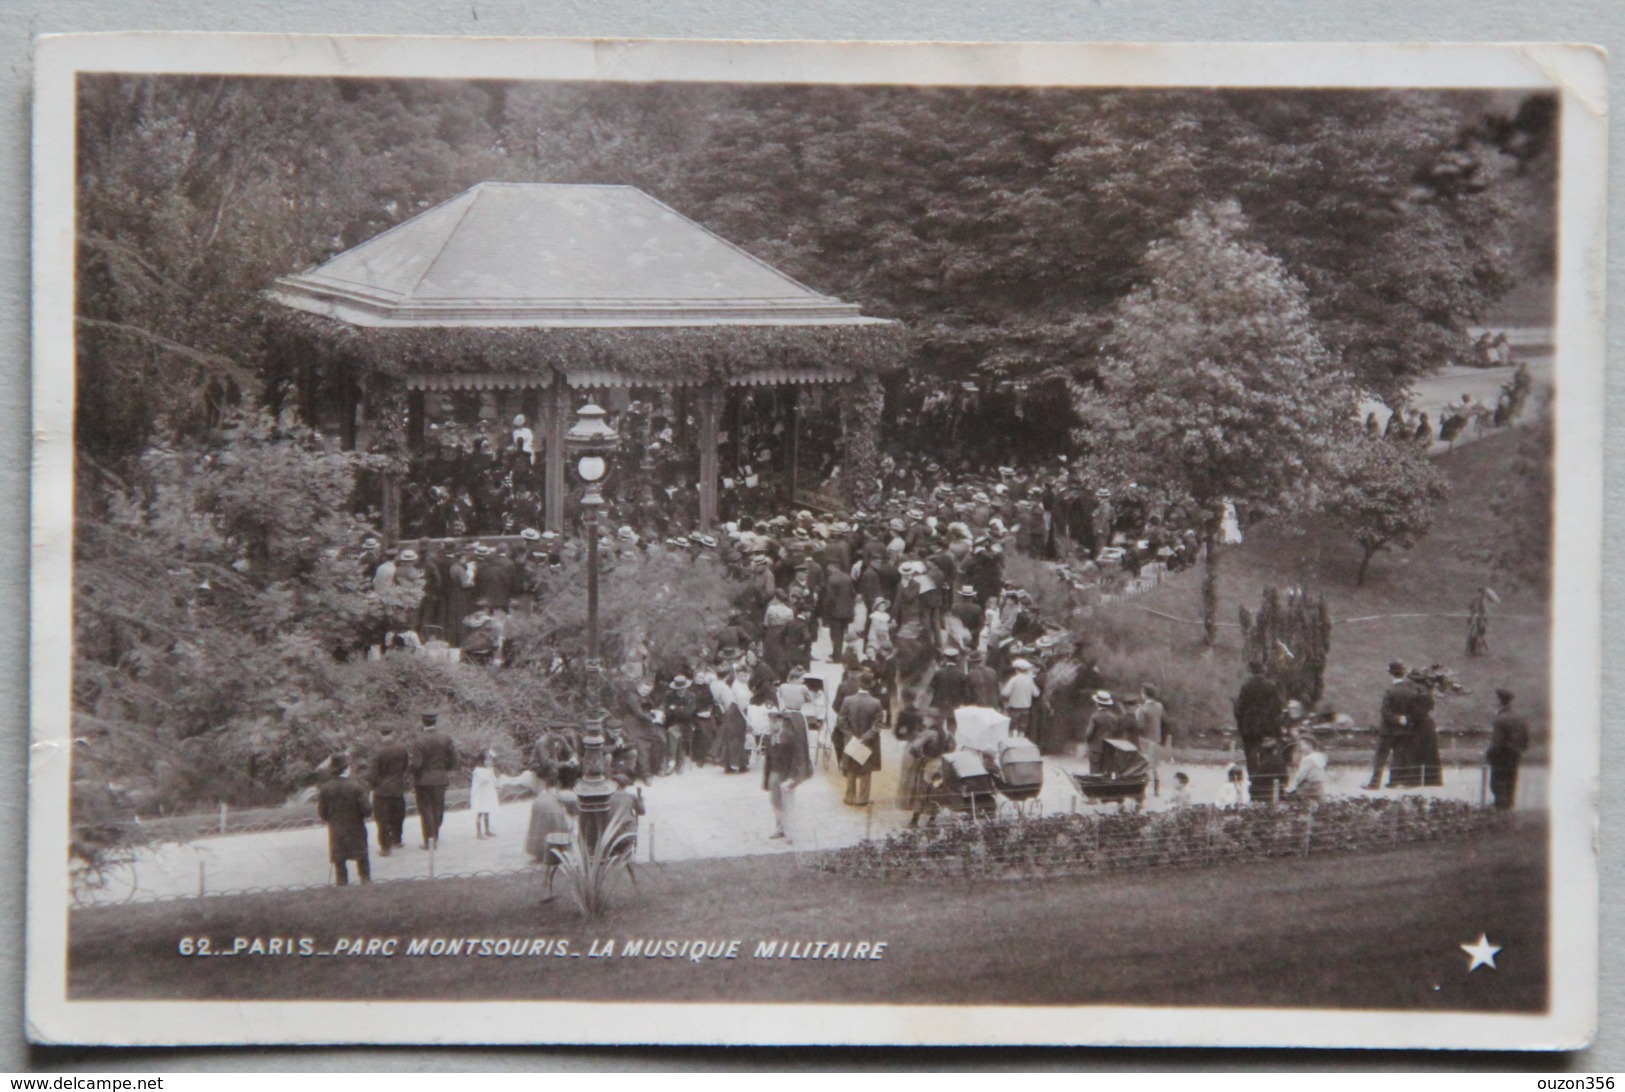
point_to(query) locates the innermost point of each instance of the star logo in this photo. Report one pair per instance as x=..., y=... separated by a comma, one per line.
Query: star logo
x=1483, y=953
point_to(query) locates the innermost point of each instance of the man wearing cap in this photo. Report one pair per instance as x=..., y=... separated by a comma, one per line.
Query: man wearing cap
x=1019, y=692
x=981, y=681
x=460, y=577
x=681, y=706
x=639, y=729
x=837, y=606
x=1104, y=724
x=859, y=722
x=1509, y=739
x=787, y=764
x=391, y=773
x=1153, y=731
x=966, y=618
x=343, y=806
x=434, y=757
x=1394, y=724
x=431, y=619
x=950, y=688
x=1257, y=710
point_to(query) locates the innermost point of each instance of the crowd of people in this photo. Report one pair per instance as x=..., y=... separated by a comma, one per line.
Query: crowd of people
x=913, y=602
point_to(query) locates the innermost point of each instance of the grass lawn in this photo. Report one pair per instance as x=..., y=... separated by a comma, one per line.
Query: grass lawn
x=1370, y=626
x=1369, y=930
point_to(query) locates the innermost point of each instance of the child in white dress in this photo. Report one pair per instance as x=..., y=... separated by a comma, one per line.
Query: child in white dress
x=482, y=795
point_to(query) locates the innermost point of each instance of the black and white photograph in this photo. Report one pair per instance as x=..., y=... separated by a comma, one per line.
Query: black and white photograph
x=795, y=543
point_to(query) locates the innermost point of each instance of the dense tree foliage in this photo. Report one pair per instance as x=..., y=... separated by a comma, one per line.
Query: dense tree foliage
x=1522, y=553
x=1002, y=223
x=1216, y=385
x=1383, y=495
x=1292, y=637
x=1209, y=274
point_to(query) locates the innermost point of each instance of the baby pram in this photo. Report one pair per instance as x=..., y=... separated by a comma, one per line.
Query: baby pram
x=1011, y=762
x=1018, y=772
x=967, y=787
x=1123, y=776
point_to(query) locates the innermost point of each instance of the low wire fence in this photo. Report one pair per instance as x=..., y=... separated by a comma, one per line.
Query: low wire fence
x=1017, y=848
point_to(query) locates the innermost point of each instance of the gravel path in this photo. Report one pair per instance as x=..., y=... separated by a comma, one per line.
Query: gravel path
x=699, y=813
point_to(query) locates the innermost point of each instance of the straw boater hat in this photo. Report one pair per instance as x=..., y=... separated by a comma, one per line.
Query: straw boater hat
x=1023, y=665
x=1102, y=698
x=950, y=653
x=482, y=550
x=626, y=534
x=967, y=590
x=680, y=683
x=369, y=543
x=708, y=541
x=530, y=534
x=1049, y=640
x=550, y=536
x=409, y=555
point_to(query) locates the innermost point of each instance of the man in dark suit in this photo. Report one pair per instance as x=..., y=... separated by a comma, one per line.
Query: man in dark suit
x=1258, y=714
x=1395, y=721
x=837, y=607
x=433, y=759
x=343, y=806
x=1509, y=739
x=787, y=765
x=391, y=774
x=859, y=721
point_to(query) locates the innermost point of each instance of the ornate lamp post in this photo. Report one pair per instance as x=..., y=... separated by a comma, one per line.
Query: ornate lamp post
x=593, y=441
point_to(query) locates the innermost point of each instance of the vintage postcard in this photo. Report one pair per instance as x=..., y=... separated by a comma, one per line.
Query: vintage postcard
x=773, y=542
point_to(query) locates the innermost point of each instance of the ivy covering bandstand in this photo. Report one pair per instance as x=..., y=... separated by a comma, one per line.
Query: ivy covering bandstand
x=544, y=295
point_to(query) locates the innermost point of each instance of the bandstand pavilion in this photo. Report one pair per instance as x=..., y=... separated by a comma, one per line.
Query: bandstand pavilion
x=549, y=294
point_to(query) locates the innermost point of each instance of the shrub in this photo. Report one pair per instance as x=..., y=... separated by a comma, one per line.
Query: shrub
x=1119, y=640
x=1117, y=840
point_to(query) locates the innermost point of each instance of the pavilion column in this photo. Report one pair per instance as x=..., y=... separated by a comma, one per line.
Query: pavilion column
x=414, y=421
x=307, y=391
x=388, y=435
x=711, y=399
x=861, y=406
x=551, y=405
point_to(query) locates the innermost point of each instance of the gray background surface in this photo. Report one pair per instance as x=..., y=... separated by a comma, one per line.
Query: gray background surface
x=1600, y=22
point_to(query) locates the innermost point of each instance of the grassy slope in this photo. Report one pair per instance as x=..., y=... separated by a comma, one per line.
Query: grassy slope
x=1438, y=576
x=1375, y=930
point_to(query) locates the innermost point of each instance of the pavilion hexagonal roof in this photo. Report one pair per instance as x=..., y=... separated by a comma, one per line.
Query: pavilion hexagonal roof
x=506, y=254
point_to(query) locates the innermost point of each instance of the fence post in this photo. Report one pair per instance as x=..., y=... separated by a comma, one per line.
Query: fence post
x=1275, y=791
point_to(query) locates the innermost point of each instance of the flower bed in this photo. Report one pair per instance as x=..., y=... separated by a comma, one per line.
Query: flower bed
x=1061, y=845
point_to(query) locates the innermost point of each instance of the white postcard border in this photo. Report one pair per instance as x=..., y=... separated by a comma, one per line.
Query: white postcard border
x=1577, y=73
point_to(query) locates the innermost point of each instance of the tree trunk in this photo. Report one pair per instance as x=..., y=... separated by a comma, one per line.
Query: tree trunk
x=1210, y=588
x=1365, y=563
